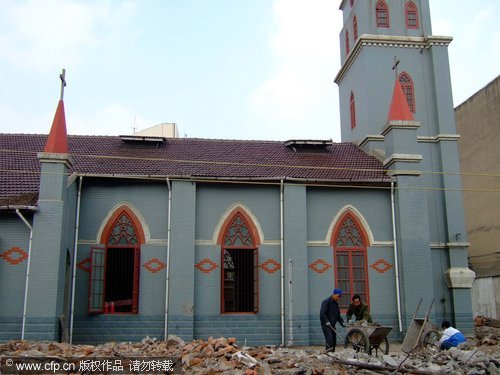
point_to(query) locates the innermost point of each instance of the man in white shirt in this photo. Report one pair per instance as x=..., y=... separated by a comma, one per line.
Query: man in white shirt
x=451, y=336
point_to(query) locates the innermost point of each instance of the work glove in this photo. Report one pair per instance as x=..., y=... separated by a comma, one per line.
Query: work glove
x=342, y=324
x=328, y=324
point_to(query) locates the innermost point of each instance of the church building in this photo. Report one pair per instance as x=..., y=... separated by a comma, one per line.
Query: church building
x=113, y=238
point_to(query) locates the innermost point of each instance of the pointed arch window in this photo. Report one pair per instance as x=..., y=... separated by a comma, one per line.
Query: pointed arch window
x=407, y=85
x=240, y=278
x=350, y=258
x=351, y=2
x=411, y=14
x=382, y=14
x=352, y=106
x=114, y=270
x=355, y=28
x=347, y=49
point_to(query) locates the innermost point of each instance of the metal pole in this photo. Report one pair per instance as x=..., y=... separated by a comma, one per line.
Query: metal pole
x=27, y=270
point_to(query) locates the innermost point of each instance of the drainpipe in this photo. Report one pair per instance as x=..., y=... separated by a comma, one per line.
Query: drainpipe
x=282, y=271
x=167, y=271
x=75, y=254
x=290, y=300
x=396, y=266
x=27, y=270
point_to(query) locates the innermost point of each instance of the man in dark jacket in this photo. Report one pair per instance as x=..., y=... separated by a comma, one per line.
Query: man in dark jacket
x=329, y=316
x=360, y=310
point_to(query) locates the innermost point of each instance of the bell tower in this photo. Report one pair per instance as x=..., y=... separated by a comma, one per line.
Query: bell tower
x=385, y=43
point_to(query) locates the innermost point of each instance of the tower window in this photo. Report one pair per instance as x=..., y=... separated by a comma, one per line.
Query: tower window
x=382, y=13
x=352, y=3
x=347, y=49
x=411, y=12
x=355, y=27
x=352, y=105
x=407, y=85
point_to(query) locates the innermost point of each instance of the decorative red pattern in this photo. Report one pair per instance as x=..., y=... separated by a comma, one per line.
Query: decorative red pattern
x=206, y=262
x=84, y=265
x=381, y=266
x=154, y=265
x=270, y=266
x=22, y=255
x=320, y=266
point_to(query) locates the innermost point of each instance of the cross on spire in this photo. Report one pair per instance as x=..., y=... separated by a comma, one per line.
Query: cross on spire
x=395, y=66
x=62, y=76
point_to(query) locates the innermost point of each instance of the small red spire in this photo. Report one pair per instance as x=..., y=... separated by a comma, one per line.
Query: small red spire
x=399, y=111
x=57, y=142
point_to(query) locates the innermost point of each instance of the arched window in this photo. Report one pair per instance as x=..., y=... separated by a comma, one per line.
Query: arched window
x=347, y=43
x=407, y=85
x=350, y=258
x=352, y=3
x=114, y=269
x=382, y=14
x=411, y=12
x=355, y=28
x=352, y=106
x=239, y=257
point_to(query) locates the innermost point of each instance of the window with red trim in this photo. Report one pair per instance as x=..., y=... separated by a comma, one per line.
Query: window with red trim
x=347, y=49
x=350, y=258
x=240, y=277
x=114, y=270
x=411, y=12
x=352, y=106
x=355, y=27
x=382, y=14
x=407, y=85
x=352, y=3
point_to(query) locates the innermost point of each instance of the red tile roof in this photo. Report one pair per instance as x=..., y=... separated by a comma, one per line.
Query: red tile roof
x=186, y=157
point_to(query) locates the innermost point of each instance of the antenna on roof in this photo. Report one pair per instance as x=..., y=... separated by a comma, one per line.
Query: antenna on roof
x=134, y=126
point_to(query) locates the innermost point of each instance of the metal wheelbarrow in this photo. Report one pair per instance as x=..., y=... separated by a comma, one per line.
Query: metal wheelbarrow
x=368, y=338
x=421, y=332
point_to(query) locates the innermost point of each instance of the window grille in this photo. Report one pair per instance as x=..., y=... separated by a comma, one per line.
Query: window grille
x=407, y=85
x=351, y=271
x=240, y=283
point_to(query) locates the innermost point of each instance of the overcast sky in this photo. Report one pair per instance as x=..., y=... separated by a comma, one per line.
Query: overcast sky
x=237, y=69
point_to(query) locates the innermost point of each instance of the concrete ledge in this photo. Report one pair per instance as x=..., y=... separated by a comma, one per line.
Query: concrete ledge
x=459, y=277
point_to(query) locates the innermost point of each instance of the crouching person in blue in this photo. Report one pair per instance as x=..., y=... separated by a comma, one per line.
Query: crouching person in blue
x=451, y=336
x=329, y=316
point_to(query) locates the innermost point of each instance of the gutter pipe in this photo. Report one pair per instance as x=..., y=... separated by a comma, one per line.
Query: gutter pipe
x=396, y=265
x=75, y=255
x=282, y=260
x=167, y=271
x=27, y=270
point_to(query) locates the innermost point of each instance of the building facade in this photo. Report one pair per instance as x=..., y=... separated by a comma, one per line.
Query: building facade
x=116, y=238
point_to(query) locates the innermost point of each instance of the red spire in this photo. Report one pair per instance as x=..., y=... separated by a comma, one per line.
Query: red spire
x=58, y=141
x=399, y=111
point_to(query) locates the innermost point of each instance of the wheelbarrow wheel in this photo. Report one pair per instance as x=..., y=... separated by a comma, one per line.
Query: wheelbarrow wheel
x=430, y=339
x=382, y=347
x=357, y=340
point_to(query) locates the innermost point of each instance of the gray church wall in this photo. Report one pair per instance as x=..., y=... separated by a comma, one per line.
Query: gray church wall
x=14, y=246
x=213, y=204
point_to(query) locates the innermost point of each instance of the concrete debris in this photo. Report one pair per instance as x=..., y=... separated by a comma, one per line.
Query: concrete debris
x=479, y=355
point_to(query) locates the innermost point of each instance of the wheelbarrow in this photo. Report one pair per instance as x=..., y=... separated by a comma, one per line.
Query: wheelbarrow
x=421, y=332
x=368, y=338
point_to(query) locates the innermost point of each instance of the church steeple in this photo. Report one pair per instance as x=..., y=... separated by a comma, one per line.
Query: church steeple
x=58, y=140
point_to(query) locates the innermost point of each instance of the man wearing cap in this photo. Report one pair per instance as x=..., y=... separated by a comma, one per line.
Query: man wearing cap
x=329, y=316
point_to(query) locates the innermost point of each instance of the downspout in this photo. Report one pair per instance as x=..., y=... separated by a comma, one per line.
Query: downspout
x=167, y=271
x=27, y=270
x=282, y=262
x=75, y=254
x=396, y=266
x=290, y=301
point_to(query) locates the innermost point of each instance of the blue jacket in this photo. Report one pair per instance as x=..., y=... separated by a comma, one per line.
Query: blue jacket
x=330, y=312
